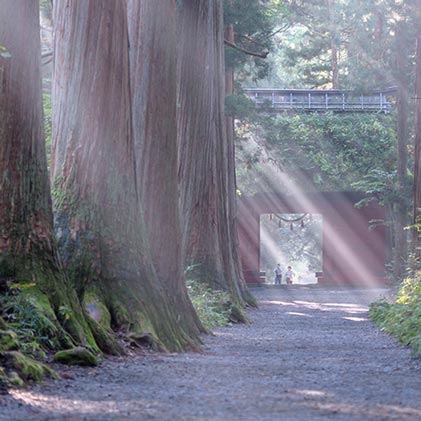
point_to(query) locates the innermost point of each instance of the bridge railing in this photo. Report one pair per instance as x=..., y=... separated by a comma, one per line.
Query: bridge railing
x=322, y=100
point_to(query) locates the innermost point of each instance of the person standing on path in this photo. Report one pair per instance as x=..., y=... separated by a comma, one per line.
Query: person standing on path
x=278, y=274
x=289, y=276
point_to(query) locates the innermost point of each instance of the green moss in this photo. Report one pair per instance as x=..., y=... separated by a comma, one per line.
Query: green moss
x=25, y=367
x=8, y=340
x=105, y=339
x=70, y=314
x=76, y=356
x=137, y=322
x=4, y=379
x=82, y=335
x=119, y=314
x=236, y=314
x=15, y=379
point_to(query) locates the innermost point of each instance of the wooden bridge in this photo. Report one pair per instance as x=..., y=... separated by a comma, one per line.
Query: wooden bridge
x=336, y=100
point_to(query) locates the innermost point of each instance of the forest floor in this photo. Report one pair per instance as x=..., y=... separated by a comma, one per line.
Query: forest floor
x=309, y=354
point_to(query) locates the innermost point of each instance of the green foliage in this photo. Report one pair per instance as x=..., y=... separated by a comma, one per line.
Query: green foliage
x=46, y=7
x=402, y=318
x=253, y=22
x=8, y=340
x=359, y=40
x=35, y=327
x=213, y=307
x=47, y=124
x=4, y=53
x=239, y=106
x=329, y=151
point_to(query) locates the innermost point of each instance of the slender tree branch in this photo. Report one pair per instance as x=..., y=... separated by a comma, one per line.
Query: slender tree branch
x=251, y=40
x=250, y=53
x=283, y=28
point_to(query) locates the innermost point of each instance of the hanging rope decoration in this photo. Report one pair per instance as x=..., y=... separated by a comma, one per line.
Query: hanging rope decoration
x=300, y=219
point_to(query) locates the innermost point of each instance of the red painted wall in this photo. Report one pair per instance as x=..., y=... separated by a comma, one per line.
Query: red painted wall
x=353, y=254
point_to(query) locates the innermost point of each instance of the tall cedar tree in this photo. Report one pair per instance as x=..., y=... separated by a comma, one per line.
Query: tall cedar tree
x=152, y=40
x=27, y=251
x=101, y=229
x=206, y=169
x=417, y=151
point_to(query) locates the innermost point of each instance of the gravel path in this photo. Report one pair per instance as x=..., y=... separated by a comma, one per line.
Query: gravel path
x=310, y=354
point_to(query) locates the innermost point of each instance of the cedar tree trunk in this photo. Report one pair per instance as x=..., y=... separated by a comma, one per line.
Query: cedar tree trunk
x=152, y=40
x=205, y=158
x=417, y=152
x=334, y=53
x=100, y=225
x=26, y=221
x=25, y=204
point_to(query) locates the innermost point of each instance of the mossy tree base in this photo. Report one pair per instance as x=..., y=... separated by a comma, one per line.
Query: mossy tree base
x=17, y=369
x=76, y=356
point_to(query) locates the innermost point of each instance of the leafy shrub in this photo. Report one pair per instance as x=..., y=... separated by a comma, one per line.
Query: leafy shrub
x=213, y=307
x=27, y=313
x=402, y=318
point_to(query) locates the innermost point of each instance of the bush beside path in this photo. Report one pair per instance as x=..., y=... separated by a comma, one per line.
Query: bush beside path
x=309, y=354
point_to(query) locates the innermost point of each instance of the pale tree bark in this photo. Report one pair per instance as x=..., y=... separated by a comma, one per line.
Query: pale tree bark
x=334, y=52
x=101, y=230
x=417, y=150
x=27, y=250
x=152, y=40
x=205, y=158
x=25, y=204
x=231, y=174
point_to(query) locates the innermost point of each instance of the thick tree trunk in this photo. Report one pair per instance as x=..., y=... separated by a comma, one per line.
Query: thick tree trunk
x=205, y=170
x=25, y=205
x=100, y=225
x=232, y=184
x=152, y=40
x=26, y=222
x=417, y=153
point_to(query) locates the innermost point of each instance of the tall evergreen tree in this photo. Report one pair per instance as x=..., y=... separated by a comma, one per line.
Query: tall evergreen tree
x=101, y=230
x=205, y=161
x=417, y=150
x=152, y=40
x=27, y=251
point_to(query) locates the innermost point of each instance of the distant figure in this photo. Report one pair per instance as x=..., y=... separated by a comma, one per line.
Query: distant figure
x=278, y=274
x=289, y=276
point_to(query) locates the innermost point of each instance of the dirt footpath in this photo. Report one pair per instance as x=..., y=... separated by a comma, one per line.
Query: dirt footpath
x=310, y=354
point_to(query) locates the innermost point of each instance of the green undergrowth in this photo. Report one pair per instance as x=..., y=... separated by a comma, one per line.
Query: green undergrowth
x=28, y=313
x=214, y=308
x=402, y=318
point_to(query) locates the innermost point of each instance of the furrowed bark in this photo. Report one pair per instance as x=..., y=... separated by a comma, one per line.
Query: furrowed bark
x=100, y=224
x=152, y=40
x=27, y=252
x=417, y=149
x=205, y=160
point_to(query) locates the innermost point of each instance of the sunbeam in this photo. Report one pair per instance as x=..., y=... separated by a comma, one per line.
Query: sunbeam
x=352, y=253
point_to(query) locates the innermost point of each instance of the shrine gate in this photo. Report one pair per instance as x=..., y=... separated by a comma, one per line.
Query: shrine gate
x=353, y=252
